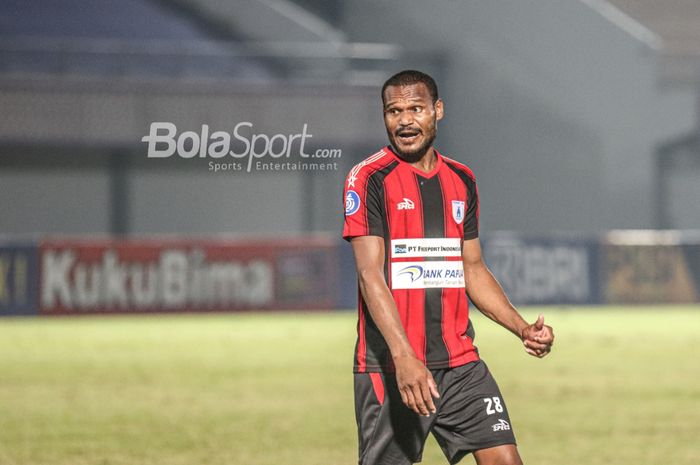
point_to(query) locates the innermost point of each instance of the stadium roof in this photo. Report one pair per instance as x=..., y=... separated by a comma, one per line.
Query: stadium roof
x=677, y=25
x=118, y=37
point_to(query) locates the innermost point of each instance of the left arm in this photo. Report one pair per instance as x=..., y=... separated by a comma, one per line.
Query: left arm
x=488, y=296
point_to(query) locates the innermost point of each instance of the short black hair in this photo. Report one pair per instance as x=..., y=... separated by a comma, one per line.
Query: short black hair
x=410, y=77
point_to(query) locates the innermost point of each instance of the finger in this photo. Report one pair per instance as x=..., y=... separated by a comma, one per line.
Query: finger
x=543, y=352
x=544, y=337
x=420, y=403
x=547, y=333
x=428, y=399
x=545, y=341
x=433, y=387
x=535, y=352
x=539, y=324
x=410, y=400
x=404, y=397
x=530, y=344
x=531, y=352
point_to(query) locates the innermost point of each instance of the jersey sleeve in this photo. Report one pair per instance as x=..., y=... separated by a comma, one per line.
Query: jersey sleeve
x=363, y=207
x=471, y=220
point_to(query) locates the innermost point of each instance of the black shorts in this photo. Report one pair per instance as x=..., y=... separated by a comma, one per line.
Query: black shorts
x=471, y=415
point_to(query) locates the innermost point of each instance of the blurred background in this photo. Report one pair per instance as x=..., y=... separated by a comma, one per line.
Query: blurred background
x=578, y=118
x=185, y=156
x=593, y=100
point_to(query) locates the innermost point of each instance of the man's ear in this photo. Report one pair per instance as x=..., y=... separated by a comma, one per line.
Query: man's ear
x=439, y=109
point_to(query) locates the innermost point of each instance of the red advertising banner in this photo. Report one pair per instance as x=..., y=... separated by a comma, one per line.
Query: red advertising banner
x=176, y=275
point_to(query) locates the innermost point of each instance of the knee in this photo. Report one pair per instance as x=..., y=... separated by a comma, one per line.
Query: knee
x=504, y=455
x=508, y=459
x=513, y=459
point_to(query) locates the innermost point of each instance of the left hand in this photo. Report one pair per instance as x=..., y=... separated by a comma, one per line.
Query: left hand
x=538, y=338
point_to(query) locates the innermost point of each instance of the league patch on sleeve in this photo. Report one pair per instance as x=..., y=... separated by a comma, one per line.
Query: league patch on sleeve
x=352, y=203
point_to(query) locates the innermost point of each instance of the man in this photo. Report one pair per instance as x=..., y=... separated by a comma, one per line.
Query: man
x=412, y=215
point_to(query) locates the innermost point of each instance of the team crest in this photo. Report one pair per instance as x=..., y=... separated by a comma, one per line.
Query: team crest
x=458, y=211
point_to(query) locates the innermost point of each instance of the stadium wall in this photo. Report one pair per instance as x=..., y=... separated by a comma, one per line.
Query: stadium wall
x=78, y=275
x=541, y=97
x=66, y=136
x=544, y=97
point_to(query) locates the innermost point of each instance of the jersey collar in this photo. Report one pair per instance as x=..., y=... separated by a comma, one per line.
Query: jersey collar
x=421, y=173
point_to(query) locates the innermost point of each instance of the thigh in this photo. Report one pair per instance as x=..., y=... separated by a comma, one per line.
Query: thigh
x=473, y=414
x=389, y=433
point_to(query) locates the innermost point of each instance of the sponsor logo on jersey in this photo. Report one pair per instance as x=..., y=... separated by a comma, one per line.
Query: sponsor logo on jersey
x=407, y=204
x=458, y=211
x=414, y=272
x=422, y=275
x=502, y=425
x=352, y=202
x=399, y=249
x=436, y=247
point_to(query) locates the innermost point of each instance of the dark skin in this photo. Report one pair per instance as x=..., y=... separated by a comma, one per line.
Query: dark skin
x=411, y=116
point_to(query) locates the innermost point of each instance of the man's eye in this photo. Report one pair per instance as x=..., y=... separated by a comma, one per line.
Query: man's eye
x=417, y=109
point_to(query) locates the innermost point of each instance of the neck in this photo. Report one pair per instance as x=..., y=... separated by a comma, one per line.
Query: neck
x=427, y=162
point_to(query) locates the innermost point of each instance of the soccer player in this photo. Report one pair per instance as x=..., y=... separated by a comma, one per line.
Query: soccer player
x=412, y=216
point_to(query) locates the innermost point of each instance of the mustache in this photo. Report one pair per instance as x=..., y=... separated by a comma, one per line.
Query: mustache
x=407, y=131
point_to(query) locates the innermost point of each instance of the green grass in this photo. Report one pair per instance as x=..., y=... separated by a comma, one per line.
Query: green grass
x=621, y=387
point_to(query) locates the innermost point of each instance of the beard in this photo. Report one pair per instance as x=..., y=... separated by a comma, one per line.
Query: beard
x=414, y=156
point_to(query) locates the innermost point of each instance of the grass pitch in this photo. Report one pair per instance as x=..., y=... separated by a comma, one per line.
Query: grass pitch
x=622, y=386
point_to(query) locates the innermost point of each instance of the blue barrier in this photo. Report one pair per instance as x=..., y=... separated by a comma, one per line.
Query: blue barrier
x=545, y=270
x=19, y=278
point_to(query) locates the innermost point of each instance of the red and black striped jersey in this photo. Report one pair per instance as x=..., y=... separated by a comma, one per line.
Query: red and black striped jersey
x=423, y=219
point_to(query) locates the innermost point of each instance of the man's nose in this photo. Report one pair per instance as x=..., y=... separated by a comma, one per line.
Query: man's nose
x=405, y=118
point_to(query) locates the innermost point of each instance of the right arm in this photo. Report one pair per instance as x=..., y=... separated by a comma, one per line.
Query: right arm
x=415, y=383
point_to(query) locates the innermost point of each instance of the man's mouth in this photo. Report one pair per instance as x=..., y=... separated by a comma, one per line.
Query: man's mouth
x=408, y=136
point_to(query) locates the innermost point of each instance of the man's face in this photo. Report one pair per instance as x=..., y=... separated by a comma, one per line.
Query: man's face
x=411, y=119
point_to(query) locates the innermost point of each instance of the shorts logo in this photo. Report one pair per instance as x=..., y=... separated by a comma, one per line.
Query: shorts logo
x=400, y=249
x=502, y=425
x=407, y=204
x=352, y=202
x=458, y=211
x=414, y=271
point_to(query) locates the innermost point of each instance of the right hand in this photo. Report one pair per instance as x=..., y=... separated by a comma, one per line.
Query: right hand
x=416, y=385
x=538, y=338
